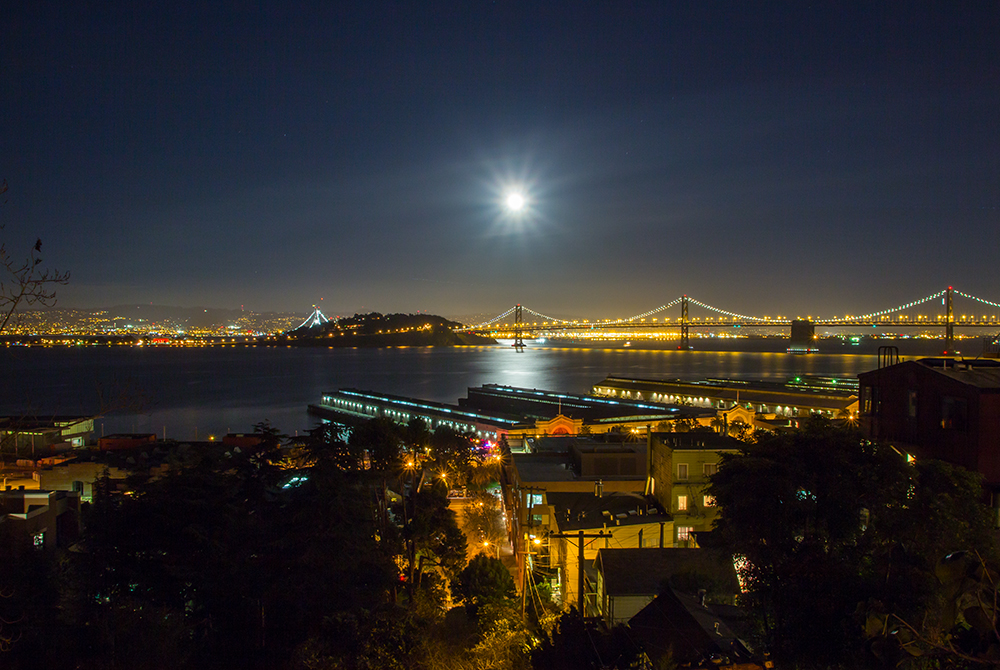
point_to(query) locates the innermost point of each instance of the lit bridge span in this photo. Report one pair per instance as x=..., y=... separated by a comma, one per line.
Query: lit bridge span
x=935, y=310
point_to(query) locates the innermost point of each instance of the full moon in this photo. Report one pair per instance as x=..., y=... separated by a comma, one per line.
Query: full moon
x=515, y=202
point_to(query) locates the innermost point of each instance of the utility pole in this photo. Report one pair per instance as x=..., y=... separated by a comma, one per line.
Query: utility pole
x=525, y=534
x=580, y=537
x=524, y=573
x=650, y=482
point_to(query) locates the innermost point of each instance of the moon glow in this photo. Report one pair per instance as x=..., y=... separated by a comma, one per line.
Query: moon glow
x=515, y=202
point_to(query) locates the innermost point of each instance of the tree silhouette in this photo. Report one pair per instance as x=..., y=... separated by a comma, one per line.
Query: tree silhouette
x=484, y=579
x=25, y=282
x=829, y=523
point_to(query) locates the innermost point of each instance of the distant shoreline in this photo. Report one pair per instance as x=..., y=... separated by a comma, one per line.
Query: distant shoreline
x=908, y=346
x=422, y=339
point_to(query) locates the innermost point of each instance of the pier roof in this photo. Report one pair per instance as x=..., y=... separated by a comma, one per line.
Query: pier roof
x=762, y=392
x=542, y=404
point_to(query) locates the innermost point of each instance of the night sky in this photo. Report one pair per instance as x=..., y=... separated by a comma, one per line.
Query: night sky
x=765, y=157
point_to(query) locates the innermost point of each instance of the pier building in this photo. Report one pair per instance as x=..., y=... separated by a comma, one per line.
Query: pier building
x=33, y=435
x=799, y=397
x=354, y=405
x=494, y=409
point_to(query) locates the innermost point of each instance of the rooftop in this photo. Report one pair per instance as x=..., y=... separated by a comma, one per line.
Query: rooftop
x=677, y=625
x=698, y=440
x=792, y=393
x=549, y=467
x=646, y=571
x=541, y=404
x=579, y=511
x=416, y=405
x=983, y=374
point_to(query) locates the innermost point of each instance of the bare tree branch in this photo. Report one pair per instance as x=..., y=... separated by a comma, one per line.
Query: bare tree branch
x=25, y=283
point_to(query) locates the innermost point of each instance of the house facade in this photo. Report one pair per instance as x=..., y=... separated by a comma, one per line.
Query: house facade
x=941, y=408
x=680, y=465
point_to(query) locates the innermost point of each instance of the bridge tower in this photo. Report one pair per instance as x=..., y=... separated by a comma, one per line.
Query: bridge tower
x=685, y=340
x=518, y=332
x=949, y=326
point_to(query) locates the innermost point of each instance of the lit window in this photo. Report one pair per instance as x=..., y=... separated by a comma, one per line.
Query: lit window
x=682, y=503
x=684, y=533
x=38, y=541
x=534, y=499
x=708, y=501
x=682, y=471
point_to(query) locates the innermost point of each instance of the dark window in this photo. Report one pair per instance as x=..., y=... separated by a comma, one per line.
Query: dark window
x=953, y=413
x=912, y=405
x=866, y=399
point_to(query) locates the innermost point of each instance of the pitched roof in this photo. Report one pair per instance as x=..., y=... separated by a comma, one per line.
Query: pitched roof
x=677, y=624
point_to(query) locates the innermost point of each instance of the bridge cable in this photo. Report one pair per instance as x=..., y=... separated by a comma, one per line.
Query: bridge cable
x=884, y=312
x=543, y=316
x=494, y=319
x=972, y=297
x=676, y=301
x=732, y=314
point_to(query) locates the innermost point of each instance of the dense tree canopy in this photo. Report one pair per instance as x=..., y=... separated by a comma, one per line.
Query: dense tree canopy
x=239, y=566
x=484, y=579
x=827, y=523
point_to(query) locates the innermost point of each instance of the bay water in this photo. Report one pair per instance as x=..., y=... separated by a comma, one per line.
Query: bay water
x=194, y=393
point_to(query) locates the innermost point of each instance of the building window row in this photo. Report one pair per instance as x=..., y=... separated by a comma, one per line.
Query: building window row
x=707, y=470
x=682, y=502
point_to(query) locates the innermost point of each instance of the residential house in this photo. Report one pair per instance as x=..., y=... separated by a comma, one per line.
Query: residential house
x=683, y=630
x=680, y=465
x=49, y=518
x=605, y=520
x=628, y=579
x=941, y=408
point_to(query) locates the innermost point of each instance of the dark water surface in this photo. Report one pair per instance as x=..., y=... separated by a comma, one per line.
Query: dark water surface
x=198, y=392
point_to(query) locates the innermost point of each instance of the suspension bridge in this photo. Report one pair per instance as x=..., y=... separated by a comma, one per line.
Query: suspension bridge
x=316, y=318
x=926, y=312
